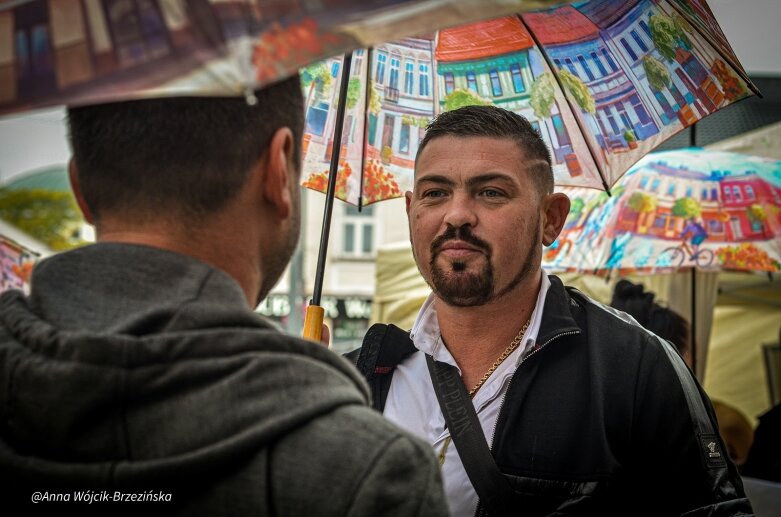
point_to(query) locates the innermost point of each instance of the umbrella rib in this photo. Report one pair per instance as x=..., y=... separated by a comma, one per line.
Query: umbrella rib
x=569, y=103
x=366, y=107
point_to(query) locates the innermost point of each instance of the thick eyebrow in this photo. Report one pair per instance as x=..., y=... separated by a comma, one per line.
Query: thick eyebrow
x=471, y=182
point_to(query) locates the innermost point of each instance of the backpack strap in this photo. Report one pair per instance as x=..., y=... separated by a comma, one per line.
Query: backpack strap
x=383, y=348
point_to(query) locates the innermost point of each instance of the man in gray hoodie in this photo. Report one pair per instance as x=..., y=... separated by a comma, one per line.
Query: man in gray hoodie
x=136, y=376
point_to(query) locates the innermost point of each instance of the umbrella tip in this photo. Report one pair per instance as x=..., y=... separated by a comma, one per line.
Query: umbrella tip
x=249, y=96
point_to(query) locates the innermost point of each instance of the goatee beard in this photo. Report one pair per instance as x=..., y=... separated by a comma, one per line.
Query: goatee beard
x=459, y=287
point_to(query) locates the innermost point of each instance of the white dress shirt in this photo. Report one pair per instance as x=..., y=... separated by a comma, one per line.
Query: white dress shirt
x=412, y=403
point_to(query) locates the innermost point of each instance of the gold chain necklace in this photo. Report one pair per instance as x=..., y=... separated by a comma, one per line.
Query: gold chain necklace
x=504, y=355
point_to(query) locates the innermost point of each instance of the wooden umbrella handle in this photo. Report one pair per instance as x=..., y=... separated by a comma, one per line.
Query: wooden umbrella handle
x=313, y=323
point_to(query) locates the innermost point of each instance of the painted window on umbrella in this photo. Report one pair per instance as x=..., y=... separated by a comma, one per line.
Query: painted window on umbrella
x=515, y=72
x=714, y=194
x=689, y=192
x=379, y=73
x=586, y=68
x=404, y=139
x=471, y=81
x=496, y=85
x=671, y=189
x=358, y=231
x=137, y=29
x=335, y=68
x=393, y=81
x=640, y=110
x=629, y=49
x=357, y=62
x=425, y=90
x=450, y=83
x=571, y=67
x=645, y=28
x=611, y=120
x=598, y=62
x=727, y=194
x=316, y=118
x=737, y=194
x=750, y=192
x=643, y=182
x=561, y=132
x=609, y=59
x=704, y=195
x=639, y=41
x=655, y=185
x=409, y=77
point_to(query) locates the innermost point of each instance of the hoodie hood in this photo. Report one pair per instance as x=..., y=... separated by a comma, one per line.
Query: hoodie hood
x=128, y=362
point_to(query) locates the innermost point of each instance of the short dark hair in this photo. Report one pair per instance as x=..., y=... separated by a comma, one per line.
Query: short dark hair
x=496, y=122
x=662, y=321
x=186, y=155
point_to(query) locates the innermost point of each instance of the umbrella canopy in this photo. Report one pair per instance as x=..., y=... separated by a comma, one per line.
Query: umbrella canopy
x=603, y=81
x=16, y=264
x=55, y=52
x=688, y=208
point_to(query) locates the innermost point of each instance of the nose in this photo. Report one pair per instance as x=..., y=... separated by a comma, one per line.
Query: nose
x=460, y=212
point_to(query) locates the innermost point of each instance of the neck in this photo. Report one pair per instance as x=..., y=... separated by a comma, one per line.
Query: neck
x=230, y=251
x=476, y=336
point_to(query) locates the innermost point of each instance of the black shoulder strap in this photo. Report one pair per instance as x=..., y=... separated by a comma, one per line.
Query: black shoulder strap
x=383, y=348
x=491, y=486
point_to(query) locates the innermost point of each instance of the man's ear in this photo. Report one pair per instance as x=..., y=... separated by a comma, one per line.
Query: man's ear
x=408, y=200
x=280, y=164
x=555, y=211
x=76, y=187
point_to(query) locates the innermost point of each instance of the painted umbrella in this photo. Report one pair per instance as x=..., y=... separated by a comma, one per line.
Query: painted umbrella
x=689, y=209
x=603, y=81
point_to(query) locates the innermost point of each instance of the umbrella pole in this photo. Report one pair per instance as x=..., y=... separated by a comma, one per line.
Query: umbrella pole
x=693, y=323
x=313, y=322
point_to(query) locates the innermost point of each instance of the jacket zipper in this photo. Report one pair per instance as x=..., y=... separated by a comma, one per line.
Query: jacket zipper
x=504, y=397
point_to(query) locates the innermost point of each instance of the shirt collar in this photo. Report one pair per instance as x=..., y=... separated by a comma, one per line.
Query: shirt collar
x=425, y=333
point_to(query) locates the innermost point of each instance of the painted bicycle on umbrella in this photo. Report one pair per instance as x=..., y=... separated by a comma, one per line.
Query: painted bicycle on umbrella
x=676, y=255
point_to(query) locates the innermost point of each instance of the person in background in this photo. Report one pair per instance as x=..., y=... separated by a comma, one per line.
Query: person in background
x=734, y=426
x=137, y=365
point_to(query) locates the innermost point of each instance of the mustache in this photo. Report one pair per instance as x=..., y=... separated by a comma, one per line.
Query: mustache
x=461, y=233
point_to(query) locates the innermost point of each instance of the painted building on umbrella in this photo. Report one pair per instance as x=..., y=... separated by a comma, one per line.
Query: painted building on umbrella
x=732, y=207
x=402, y=73
x=499, y=67
x=691, y=91
x=574, y=43
x=55, y=46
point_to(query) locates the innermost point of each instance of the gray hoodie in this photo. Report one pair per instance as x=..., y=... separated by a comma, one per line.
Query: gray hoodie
x=135, y=371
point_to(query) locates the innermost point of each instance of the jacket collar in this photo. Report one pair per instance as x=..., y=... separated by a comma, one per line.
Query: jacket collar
x=557, y=318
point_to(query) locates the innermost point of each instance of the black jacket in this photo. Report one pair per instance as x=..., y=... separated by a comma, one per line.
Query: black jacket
x=601, y=418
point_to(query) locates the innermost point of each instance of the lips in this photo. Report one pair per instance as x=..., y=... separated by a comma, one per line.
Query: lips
x=456, y=248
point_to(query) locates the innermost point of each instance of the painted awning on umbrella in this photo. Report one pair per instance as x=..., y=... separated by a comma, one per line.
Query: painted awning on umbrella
x=677, y=209
x=604, y=82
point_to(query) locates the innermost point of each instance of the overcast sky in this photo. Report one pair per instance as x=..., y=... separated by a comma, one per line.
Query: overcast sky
x=751, y=26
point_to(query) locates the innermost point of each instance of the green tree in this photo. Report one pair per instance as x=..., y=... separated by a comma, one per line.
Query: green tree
x=578, y=90
x=353, y=92
x=50, y=216
x=576, y=208
x=459, y=98
x=668, y=35
x=542, y=95
x=375, y=105
x=316, y=80
x=658, y=75
x=687, y=208
x=642, y=203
